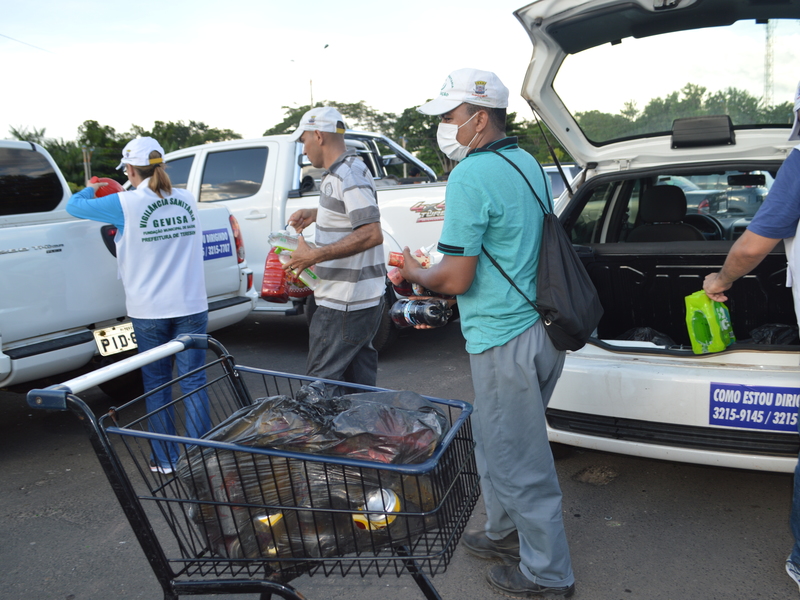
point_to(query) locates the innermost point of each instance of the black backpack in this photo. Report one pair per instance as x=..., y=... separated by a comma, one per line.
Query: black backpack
x=566, y=298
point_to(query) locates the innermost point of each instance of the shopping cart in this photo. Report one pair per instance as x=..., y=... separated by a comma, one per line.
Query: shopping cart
x=207, y=528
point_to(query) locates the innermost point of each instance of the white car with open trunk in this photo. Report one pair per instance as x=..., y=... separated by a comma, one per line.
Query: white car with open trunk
x=703, y=122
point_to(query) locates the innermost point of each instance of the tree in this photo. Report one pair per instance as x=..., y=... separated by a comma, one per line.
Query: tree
x=290, y=121
x=365, y=117
x=600, y=126
x=69, y=158
x=174, y=136
x=37, y=136
x=357, y=116
x=691, y=101
x=67, y=155
x=531, y=139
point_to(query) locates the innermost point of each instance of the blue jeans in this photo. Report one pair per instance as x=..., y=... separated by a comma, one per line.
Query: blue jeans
x=513, y=384
x=340, y=344
x=154, y=332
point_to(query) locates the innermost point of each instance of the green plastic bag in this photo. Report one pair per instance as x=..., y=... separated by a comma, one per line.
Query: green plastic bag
x=709, y=324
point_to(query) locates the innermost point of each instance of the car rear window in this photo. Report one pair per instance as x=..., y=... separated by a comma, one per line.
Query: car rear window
x=233, y=174
x=178, y=171
x=28, y=182
x=702, y=72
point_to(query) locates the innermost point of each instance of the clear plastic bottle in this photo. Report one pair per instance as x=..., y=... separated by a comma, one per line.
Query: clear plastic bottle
x=429, y=311
x=285, y=243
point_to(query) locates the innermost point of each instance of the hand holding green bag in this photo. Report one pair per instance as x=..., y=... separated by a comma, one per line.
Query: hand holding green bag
x=709, y=324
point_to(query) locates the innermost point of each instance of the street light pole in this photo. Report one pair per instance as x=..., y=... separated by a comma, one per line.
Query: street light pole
x=87, y=162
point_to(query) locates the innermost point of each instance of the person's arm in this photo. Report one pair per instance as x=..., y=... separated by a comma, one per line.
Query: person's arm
x=452, y=275
x=107, y=209
x=365, y=237
x=745, y=255
x=302, y=218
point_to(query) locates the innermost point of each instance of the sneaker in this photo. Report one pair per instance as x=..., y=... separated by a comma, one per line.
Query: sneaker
x=793, y=570
x=481, y=546
x=508, y=579
x=159, y=469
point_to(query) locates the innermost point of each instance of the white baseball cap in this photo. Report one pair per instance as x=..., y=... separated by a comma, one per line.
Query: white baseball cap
x=137, y=153
x=473, y=86
x=323, y=118
x=795, y=135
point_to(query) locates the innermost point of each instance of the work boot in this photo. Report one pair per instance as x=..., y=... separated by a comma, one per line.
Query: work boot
x=510, y=580
x=481, y=546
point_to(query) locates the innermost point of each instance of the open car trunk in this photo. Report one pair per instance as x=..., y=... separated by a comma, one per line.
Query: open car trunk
x=643, y=283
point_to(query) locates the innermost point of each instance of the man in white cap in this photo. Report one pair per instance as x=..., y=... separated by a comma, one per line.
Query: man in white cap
x=491, y=210
x=348, y=255
x=778, y=218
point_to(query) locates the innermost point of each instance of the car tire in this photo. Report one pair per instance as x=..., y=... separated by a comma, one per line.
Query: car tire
x=125, y=388
x=387, y=332
x=309, y=309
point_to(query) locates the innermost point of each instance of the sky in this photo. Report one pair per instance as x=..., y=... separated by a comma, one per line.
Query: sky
x=236, y=64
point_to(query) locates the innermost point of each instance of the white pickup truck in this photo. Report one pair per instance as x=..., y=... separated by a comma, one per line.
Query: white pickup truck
x=264, y=180
x=61, y=303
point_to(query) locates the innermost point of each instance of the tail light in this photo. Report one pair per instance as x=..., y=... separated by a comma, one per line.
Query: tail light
x=108, y=233
x=249, y=281
x=237, y=238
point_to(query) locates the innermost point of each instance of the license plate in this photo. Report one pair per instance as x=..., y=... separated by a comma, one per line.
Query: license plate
x=116, y=339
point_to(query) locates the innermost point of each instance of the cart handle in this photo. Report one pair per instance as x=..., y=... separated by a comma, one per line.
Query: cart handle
x=54, y=397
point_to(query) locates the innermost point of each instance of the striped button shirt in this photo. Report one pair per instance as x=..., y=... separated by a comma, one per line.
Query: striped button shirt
x=347, y=201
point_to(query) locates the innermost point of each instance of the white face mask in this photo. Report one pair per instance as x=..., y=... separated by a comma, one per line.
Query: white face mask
x=446, y=137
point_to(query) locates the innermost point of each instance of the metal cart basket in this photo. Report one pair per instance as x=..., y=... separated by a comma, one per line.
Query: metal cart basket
x=231, y=518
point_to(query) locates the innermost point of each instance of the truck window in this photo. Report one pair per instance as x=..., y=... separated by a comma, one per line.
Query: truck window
x=233, y=174
x=178, y=171
x=28, y=183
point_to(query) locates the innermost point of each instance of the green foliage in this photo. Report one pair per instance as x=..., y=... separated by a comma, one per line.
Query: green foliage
x=37, y=136
x=103, y=145
x=417, y=132
x=67, y=155
x=531, y=139
x=357, y=115
x=174, y=136
x=691, y=101
x=290, y=121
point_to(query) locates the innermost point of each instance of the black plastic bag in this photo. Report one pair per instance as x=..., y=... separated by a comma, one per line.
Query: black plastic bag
x=647, y=334
x=260, y=506
x=776, y=334
x=398, y=427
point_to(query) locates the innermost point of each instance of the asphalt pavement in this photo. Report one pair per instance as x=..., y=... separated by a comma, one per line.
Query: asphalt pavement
x=638, y=529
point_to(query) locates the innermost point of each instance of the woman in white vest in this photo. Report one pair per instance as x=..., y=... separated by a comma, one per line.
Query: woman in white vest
x=160, y=257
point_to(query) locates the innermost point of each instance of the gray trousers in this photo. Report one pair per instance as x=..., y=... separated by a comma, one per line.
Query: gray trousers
x=513, y=384
x=340, y=344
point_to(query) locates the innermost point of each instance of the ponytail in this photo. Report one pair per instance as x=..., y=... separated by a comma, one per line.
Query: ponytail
x=159, y=180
